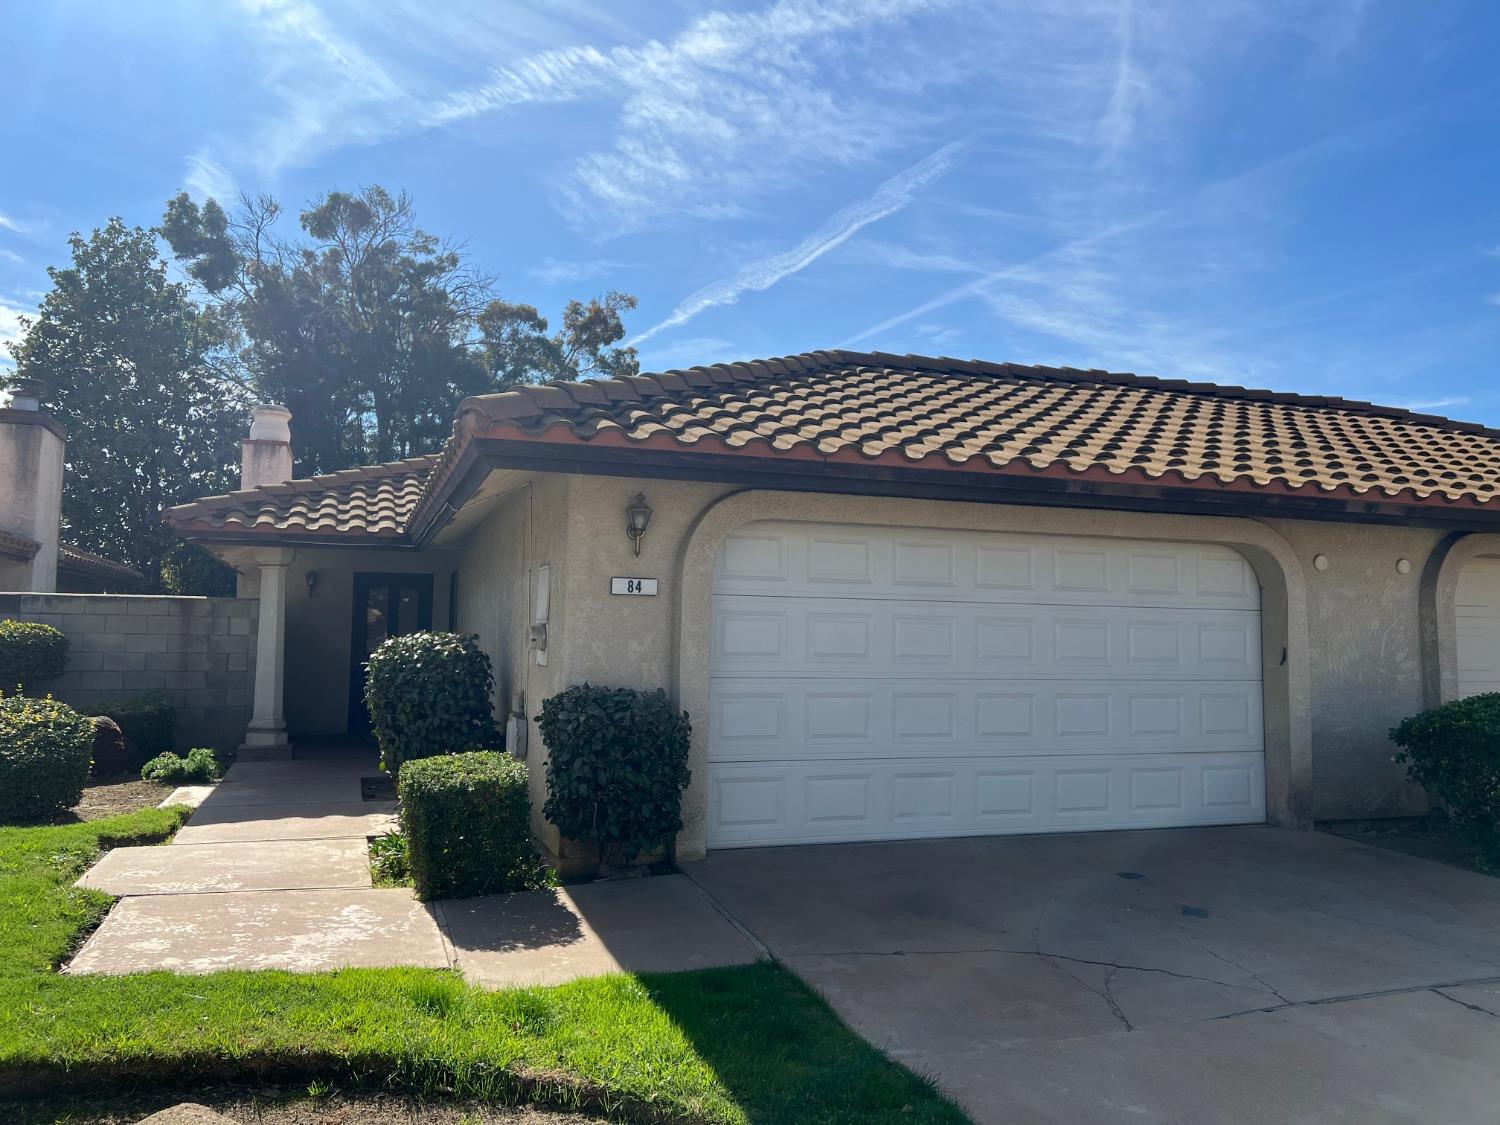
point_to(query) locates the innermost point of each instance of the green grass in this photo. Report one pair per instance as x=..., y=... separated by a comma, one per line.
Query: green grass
x=724, y=1045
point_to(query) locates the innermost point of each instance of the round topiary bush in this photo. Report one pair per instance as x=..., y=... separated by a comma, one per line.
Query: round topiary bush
x=617, y=767
x=44, y=757
x=30, y=653
x=428, y=694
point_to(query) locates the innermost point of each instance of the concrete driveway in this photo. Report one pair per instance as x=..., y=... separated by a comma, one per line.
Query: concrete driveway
x=1188, y=975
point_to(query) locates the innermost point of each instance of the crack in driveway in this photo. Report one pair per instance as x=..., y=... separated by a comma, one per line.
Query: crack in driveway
x=1319, y=1001
x=1464, y=1003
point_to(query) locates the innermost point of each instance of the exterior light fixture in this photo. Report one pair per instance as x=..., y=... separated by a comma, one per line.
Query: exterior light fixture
x=637, y=519
x=312, y=582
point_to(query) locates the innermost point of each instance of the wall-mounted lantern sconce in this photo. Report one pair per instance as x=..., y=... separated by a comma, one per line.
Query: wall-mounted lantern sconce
x=312, y=582
x=637, y=519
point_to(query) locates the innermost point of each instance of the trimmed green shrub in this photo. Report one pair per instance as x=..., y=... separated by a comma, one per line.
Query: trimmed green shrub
x=1453, y=751
x=199, y=767
x=428, y=693
x=467, y=822
x=30, y=653
x=149, y=723
x=44, y=757
x=618, y=766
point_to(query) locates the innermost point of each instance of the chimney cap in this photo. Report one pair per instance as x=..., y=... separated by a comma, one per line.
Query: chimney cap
x=268, y=422
x=27, y=394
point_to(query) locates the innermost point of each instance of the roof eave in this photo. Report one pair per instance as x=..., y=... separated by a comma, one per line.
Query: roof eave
x=802, y=468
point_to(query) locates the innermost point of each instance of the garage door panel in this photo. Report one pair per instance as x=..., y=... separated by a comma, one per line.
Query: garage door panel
x=872, y=683
x=807, y=802
x=808, y=560
x=789, y=718
x=841, y=636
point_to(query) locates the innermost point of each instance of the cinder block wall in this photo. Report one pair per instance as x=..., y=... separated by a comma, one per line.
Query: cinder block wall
x=200, y=651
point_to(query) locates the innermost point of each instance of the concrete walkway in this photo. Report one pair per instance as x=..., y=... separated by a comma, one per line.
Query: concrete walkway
x=272, y=871
x=281, y=849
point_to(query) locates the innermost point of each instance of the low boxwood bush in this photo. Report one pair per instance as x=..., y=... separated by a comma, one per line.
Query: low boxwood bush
x=467, y=822
x=30, y=653
x=618, y=766
x=199, y=767
x=44, y=757
x=148, y=722
x=428, y=693
x=1453, y=751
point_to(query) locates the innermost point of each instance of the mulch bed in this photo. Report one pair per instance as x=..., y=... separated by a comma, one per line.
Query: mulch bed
x=113, y=797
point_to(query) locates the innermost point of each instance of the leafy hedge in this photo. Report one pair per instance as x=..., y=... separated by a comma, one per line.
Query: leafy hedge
x=467, y=822
x=429, y=693
x=1453, y=751
x=30, y=653
x=148, y=722
x=44, y=756
x=618, y=766
x=200, y=766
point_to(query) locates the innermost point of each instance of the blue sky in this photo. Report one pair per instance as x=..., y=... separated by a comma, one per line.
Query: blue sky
x=1294, y=195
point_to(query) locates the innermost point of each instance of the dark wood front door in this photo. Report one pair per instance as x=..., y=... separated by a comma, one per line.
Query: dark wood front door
x=385, y=605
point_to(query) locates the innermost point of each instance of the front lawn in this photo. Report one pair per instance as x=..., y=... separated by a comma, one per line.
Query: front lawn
x=722, y=1045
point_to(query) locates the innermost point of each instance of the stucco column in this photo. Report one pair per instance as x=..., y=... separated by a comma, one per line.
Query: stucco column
x=265, y=737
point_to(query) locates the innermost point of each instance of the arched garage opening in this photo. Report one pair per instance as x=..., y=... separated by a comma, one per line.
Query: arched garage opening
x=1076, y=624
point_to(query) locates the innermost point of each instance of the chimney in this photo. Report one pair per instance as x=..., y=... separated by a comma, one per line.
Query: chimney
x=32, y=445
x=266, y=455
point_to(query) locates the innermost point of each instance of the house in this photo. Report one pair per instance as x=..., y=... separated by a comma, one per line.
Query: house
x=908, y=597
x=32, y=555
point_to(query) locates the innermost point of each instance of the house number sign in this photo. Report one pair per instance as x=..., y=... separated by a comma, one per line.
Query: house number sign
x=639, y=586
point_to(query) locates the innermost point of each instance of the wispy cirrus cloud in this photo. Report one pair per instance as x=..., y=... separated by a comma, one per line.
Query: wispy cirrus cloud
x=890, y=197
x=205, y=178
x=554, y=271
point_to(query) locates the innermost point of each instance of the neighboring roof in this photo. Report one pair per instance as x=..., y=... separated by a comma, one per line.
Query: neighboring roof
x=78, y=561
x=937, y=427
x=371, y=503
x=18, y=547
x=999, y=417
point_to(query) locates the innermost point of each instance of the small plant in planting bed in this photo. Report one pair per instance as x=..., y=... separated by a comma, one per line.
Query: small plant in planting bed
x=198, y=768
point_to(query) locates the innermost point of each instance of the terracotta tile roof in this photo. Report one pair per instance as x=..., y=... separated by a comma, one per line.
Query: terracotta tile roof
x=371, y=503
x=79, y=561
x=916, y=411
x=18, y=547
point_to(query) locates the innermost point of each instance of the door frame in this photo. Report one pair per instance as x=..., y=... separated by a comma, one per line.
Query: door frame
x=356, y=718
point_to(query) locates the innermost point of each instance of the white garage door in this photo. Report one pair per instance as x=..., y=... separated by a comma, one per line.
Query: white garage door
x=1477, y=609
x=874, y=683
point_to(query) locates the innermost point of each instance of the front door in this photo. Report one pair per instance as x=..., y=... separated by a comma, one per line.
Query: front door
x=385, y=605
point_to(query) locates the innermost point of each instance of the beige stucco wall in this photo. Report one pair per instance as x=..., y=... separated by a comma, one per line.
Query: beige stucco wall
x=523, y=527
x=31, y=485
x=1358, y=669
x=319, y=625
x=1367, y=670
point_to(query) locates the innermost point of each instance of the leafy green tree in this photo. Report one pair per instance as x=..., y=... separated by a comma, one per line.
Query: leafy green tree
x=369, y=329
x=129, y=362
x=517, y=349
